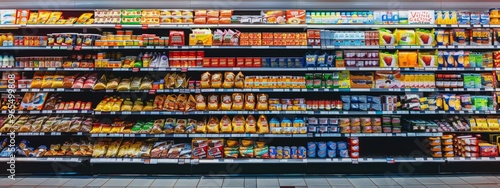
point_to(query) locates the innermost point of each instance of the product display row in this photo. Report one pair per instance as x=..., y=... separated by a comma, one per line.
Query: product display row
x=249, y=124
x=169, y=16
x=462, y=145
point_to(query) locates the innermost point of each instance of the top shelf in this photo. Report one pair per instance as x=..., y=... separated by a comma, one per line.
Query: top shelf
x=192, y=26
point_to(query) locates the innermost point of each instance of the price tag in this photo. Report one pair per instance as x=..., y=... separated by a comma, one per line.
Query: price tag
x=118, y=26
x=229, y=160
x=152, y=92
x=390, y=47
x=126, y=112
x=283, y=160
x=145, y=26
x=355, y=161
x=184, y=69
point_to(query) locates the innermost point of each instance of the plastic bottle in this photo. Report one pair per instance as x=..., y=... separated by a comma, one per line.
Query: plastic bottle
x=138, y=61
x=5, y=60
x=145, y=60
x=12, y=61
x=163, y=60
x=10, y=40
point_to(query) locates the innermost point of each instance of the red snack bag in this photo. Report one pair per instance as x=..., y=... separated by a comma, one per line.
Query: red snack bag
x=248, y=62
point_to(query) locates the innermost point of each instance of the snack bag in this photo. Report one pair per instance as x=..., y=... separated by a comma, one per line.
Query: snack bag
x=250, y=101
x=225, y=125
x=262, y=103
x=238, y=124
x=228, y=80
x=213, y=125
x=407, y=59
x=405, y=37
x=250, y=125
x=262, y=125
x=201, y=127
x=213, y=102
x=238, y=101
x=386, y=37
x=201, y=104
x=239, y=80
x=205, y=80
x=427, y=59
x=216, y=80
x=388, y=60
x=425, y=37
x=442, y=37
x=226, y=102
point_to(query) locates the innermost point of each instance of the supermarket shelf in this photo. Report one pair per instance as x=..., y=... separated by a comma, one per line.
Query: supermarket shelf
x=456, y=112
x=233, y=135
x=24, y=48
x=70, y=90
x=47, y=159
x=50, y=111
x=190, y=26
x=378, y=47
x=469, y=47
x=252, y=112
x=477, y=112
x=271, y=69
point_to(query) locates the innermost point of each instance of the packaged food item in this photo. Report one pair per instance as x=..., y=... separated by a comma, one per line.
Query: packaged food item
x=201, y=103
x=229, y=79
x=425, y=37
x=407, y=59
x=238, y=124
x=239, y=80
x=251, y=124
x=386, y=37
x=216, y=80
x=388, y=59
x=404, y=37
x=225, y=125
x=238, y=101
x=226, y=102
x=427, y=59
x=250, y=101
x=213, y=102
x=262, y=102
x=213, y=125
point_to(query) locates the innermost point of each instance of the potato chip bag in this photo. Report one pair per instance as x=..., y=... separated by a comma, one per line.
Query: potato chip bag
x=407, y=59
x=427, y=59
x=425, y=37
x=405, y=37
x=250, y=125
x=213, y=125
x=238, y=124
x=226, y=125
x=386, y=37
x=388, y=59
x=262, y=125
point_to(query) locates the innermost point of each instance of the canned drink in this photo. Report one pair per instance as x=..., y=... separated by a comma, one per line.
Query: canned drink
x=293, y=152
x=279, y=152
x=272, y=152
x=301, y=153
x=286, y=152
x=311, y=146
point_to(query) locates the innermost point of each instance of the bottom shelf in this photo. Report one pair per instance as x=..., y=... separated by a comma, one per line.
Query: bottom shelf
x=253, y=160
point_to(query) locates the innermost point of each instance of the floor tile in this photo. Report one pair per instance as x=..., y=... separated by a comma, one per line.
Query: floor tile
x=384, y=181
x=475, y=179
x=406, y=181
x=188, y=181
x=318, y=186
x=164, y=181
x=316, y=181
x=361, y=181
x=451, y=180
x=338, y=181
x=31, y=181
x=365, y=186
x=343, y=186
x=22, y=186
x=118, y=182
x=438, y=186
x=298, y=181
x=250, y=182
x=97, y=182
x=487, y=185
x=144, y=182
x=136, y=186
x=389, y=186
x=233, y=182
x=77, y=182
x=7, y=182
x=429, y=180
x=211, y=182
x=492, y=178
x=462, y=186
x=267, y=182
x=56, y=182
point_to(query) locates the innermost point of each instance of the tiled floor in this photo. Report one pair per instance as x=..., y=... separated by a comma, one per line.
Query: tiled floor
x=431, y=181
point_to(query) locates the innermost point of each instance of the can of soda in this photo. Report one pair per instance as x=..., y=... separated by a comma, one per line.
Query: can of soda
x=279, y=152
x=272, y=152
x=293, y=152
